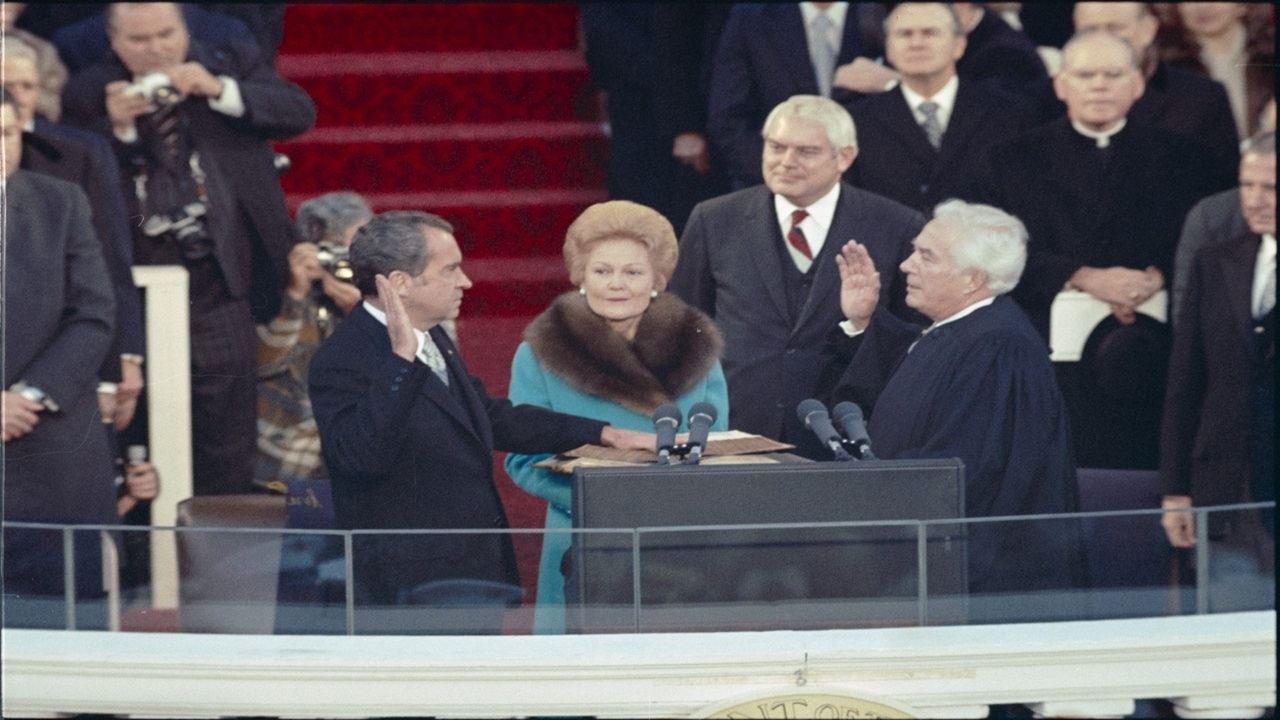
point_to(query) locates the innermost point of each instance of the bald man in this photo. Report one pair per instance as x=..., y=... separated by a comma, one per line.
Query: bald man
x=1103, y=199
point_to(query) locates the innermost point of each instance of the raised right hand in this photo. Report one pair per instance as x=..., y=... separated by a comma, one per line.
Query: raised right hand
x=403, y=342
x=859, y=284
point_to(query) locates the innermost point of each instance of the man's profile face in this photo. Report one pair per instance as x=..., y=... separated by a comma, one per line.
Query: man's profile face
x=11, y=130
x=799, y=163
x=1258, y=192
x=148, y=37
x=1128, y=21
x=921, y=40
x=1098, y=82
x=435, y=295
x=935, y=286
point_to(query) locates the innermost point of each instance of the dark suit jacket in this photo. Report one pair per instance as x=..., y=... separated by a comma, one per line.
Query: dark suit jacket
x=1204, y=448
x=1078, y=214
x=85, y=160
x=1215, y=219
x=403, y=452
x=896, y=160
x=1196, y=108
x=58, y=316
x=730, y=269
x=248, y=218
x=762, y=60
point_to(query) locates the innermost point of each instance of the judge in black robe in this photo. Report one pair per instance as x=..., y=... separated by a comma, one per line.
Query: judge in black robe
x=975, y=385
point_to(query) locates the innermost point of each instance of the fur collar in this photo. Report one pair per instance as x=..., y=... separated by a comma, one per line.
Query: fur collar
x=675, y=347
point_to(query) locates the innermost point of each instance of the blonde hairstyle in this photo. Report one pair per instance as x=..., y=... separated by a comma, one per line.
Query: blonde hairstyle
x=621, y=219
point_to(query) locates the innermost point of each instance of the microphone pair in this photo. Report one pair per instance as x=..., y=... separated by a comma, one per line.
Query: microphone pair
x=855, y=444
x=666, y=420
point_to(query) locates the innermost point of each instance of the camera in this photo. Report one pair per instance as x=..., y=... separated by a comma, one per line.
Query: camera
x=157, y=88
x=336, y=260
x=185, y=225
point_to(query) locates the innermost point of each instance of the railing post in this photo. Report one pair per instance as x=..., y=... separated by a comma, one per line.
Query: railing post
x=349, y=564
x=1202, y=561
x=922, y=568
x=635, y=576
x=69, y=575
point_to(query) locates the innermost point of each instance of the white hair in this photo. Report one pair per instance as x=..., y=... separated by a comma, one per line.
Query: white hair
x=987, y=239
x=833, y=118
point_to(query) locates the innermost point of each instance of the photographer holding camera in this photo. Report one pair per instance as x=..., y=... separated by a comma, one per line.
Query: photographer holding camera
x=320, y=293
x=189, y=124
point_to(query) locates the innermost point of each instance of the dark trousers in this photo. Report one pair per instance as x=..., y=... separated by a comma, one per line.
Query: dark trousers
x=223, y=401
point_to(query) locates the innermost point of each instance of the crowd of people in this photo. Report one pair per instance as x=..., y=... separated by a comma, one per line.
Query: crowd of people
x=875, y=202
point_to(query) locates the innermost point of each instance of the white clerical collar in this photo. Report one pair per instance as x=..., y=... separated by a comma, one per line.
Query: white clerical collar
x=382, y=318
x=836, y=13
x=945, y=98
x=962, y=314
x=29, y=126
x=1103, y=138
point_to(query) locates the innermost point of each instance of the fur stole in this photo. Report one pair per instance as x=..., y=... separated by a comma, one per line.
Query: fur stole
x=675, y=347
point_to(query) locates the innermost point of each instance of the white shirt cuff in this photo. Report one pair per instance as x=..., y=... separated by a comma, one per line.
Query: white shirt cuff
x=129, y=136
x=229, y=102
x=850, y=330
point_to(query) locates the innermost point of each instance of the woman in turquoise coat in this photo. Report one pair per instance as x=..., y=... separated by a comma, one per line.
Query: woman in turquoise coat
x=614, y=350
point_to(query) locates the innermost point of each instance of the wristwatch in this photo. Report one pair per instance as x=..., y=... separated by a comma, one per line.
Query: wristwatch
x=34, y=394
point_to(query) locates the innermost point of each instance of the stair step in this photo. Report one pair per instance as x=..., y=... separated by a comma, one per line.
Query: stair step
x=419, y=158
x=351, y=27
x=381, y=64
x=443, y=97
x=494, y=224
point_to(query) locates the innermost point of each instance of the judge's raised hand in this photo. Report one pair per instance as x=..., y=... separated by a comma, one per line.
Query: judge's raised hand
x=403, y=342
x=859, y=284
x=864, y=76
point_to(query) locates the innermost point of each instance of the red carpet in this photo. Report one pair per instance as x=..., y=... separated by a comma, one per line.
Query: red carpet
x=481, y=113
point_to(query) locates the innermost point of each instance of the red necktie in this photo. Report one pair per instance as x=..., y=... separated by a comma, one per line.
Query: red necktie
x=795, y=237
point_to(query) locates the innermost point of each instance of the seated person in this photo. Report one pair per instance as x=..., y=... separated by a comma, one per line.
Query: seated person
x=614, y=350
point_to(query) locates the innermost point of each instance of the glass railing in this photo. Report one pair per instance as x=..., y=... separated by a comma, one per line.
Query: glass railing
x=1100, y=565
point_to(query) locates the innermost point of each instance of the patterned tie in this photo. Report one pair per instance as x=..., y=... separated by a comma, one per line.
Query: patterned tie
x=822, y=53
x=430, y=354
x=932, y=128
x=796, y=237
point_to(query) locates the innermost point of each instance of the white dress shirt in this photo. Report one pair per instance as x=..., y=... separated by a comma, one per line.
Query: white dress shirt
x=815, y=227
x=1263, y=268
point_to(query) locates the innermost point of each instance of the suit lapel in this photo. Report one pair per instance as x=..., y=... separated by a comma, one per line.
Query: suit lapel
x=791, y=45
x=902, y=123
x=458, y=373
x=826, y=279
x=763, y=235
x=964, y=123
x=435, y=390
x=20, y=270
x=1237, y=273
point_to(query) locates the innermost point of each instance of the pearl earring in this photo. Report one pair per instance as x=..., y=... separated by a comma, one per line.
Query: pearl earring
x=653, y=293
x=582, y=291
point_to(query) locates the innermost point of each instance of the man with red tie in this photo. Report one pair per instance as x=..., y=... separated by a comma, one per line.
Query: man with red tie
x=760, y=261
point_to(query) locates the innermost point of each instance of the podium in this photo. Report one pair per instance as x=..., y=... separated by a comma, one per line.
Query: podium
x=686, y=548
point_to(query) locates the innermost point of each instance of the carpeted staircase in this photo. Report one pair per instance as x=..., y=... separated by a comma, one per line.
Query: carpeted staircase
x=481, y=113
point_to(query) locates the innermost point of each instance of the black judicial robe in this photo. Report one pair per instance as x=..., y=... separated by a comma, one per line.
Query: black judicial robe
x=981, y=389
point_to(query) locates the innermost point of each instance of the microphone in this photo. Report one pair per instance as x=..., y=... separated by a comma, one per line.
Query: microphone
x=701, y=415
x=849, y=415
x=813, y=415
x=665, y=421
